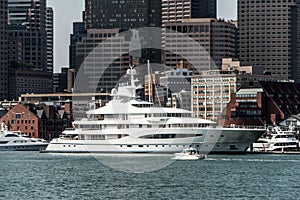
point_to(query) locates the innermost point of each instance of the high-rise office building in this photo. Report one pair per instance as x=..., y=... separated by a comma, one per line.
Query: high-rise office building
x=215, y=37
x=101, y=65
x=22, y=81
x=177, y=10
x=184, y=15
x=30, y=49
x=106, y=19
x=122, y=14
x=3, y=50
x=49, y=31
x=27, y=21
x=78, y=32
x=269, y=37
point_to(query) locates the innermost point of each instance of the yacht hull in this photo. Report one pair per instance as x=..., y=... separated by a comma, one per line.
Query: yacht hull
x=26, y=147
x=209, y=140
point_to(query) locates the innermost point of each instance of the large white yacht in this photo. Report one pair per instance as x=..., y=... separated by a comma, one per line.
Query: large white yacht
x=10, y=141
x=128, y=125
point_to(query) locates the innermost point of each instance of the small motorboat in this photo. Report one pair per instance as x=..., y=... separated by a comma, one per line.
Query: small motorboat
x=189, y=154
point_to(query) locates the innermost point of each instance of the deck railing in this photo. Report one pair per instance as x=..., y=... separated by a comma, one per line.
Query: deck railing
x=244, y=126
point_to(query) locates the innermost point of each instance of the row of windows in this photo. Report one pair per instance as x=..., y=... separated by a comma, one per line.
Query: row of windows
x=160, y=145
x=246, y=95
x=20, y=121
x=154, y=145
x=18, y=128
x=266, y=1
x=168, y=136
x=19, y=115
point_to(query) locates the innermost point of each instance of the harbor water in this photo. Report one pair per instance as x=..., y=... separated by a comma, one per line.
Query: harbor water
x=33, y=175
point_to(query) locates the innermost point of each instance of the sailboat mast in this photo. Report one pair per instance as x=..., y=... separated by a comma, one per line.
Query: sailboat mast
x=149, y=81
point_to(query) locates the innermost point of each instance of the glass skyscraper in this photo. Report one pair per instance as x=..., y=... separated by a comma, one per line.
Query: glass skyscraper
x=3, y=50
x=269, y=36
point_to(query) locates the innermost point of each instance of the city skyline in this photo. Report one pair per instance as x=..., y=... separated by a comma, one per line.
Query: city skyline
x=63, y=24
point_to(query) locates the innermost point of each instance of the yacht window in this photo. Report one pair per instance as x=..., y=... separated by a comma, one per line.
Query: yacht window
x=232, y=147
x=140, y=146
x=129, y=145
x=11, y=135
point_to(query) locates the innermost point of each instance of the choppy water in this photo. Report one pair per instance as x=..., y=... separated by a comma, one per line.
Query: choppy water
x=31, y=175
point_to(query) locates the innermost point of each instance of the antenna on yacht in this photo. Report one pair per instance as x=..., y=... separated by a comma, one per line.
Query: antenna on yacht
x=149, y=81
x=131, y=72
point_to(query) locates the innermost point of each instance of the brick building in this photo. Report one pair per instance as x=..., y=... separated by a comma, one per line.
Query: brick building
x=45, y=120
x=269, y=104
x=21, y=119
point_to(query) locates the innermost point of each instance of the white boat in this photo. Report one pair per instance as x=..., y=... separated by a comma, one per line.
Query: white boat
x=189, y=154
x=10, y=141
x=277, y=140
x=128, y=125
